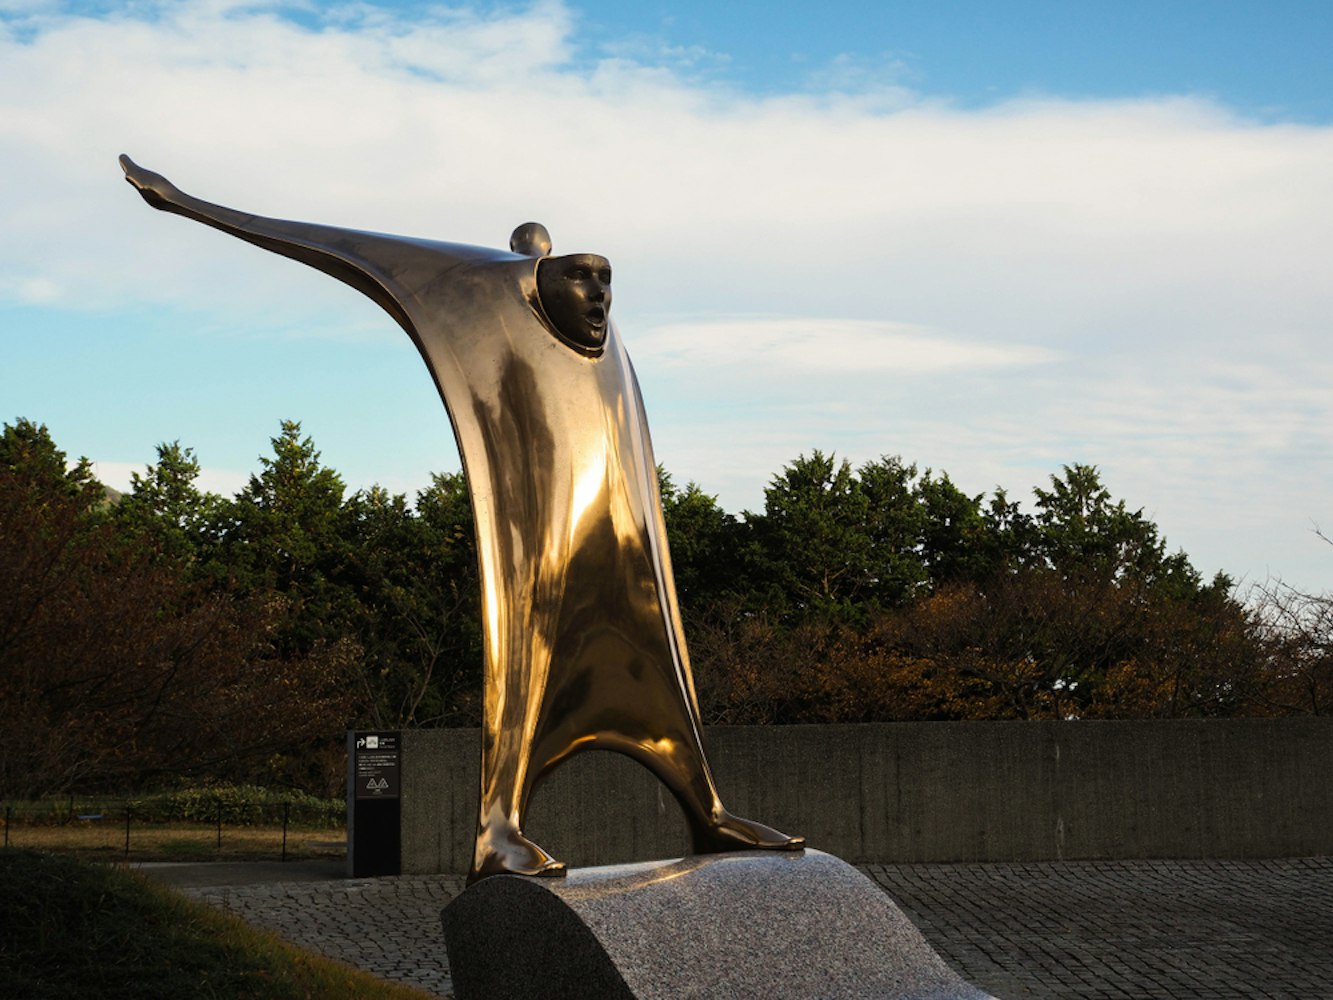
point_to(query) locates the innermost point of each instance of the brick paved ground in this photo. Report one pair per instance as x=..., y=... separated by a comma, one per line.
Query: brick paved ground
x=1127, y=930
x=388, y=926
x=1119, y=930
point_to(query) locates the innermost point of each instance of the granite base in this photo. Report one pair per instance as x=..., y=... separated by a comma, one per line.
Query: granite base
x=754, y=924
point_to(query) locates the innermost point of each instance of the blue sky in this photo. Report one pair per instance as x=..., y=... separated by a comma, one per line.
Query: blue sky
x=991, y=238
x=1269, y=60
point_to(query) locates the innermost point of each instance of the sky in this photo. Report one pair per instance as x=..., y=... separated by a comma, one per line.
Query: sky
x=992, y=239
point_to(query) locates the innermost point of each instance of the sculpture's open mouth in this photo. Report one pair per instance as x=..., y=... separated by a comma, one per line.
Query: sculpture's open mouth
x=596, y=316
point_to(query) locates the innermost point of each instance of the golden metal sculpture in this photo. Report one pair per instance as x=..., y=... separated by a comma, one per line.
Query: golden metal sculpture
x=584, y=647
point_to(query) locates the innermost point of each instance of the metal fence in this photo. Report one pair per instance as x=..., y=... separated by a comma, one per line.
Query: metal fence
x=197, y=829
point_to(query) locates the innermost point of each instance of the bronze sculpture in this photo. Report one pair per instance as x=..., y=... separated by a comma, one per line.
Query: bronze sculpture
x=584, y=647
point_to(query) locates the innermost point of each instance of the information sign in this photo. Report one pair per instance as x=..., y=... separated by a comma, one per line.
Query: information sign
x=376, y=765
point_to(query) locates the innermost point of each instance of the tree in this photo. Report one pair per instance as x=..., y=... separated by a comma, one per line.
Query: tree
x=285, y=533
x=1198, y=654
x=1296, y=628
x=44, y=511
x=30, y=457
x=706, y=546
x=814, y=536
x=1010, y=536
x=178, y=631
x=287, y=517
x=115, y=667
x=896, y=527
x=1081, y=533
x=167, y=509
x=957, y=541
x=417, y=615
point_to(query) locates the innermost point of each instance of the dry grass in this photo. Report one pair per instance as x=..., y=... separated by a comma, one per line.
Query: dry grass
x=176, y=841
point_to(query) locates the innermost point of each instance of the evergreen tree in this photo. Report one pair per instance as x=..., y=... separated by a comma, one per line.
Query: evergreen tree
x=1082, y=533
x=815, y=538
x=167, y=509
x=896, y=525
x=287, y=519
x=957, y=541
x=706, y=546
x=31, y=460
x=416, y=618
x=285, y=533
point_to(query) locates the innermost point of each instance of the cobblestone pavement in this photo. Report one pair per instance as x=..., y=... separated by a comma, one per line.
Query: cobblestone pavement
x=1130, y=929
x=1126, y=930
x=388, y=926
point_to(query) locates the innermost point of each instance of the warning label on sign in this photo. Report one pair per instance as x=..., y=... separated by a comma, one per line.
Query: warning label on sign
x=375, y=766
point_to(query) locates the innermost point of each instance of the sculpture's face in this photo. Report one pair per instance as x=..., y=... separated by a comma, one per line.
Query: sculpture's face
x=575, y=291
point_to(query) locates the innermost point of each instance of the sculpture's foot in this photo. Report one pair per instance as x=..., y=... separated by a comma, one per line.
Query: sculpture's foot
x=732, y=833
x=512, y=854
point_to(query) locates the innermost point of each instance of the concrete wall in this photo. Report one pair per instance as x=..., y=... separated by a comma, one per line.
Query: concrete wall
x=917, y=792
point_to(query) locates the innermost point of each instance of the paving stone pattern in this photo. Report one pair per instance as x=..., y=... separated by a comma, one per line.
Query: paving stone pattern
x=1120, y=930
x=388, y=926
x=1125, y=930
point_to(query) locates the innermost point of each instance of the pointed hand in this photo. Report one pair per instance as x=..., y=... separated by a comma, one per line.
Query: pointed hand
x=156, y=189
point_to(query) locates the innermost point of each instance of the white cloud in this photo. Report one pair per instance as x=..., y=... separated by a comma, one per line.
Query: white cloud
x=797, y=347
x=1021, y=216
x=1146, y=285
x=120, y=476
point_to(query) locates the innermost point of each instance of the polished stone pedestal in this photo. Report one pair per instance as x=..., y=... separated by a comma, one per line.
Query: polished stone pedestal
x=755, y=924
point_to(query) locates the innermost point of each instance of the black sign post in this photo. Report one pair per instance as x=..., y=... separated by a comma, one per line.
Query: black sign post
x=374, y=816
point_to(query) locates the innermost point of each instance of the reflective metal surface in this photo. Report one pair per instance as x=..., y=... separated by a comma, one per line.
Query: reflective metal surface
x=583, y=642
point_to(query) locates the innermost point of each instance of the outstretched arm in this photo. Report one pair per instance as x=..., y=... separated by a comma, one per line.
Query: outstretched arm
x=357, y=259
x=162, y=194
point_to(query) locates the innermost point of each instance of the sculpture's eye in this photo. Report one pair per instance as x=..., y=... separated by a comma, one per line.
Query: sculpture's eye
x=579, y=274
x=604, y=275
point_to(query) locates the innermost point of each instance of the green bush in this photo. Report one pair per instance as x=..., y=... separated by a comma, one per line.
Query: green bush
x=242, y=805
